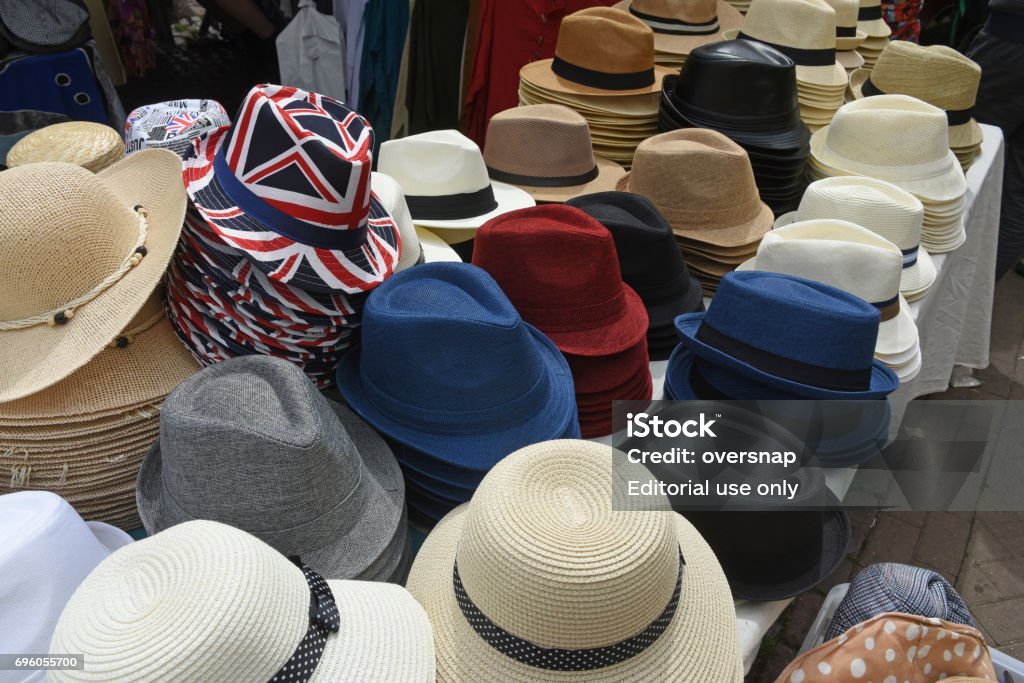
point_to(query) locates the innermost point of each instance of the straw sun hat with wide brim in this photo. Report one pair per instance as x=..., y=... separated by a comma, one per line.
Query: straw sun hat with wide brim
x=92, y=146
x=68, y=240
x=681, y=26
x=542, y=556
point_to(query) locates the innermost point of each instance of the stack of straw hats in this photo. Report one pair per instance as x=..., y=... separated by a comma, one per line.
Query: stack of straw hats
x=904, y=141
x=604, y=69
x=702, y=183
x=90, y=145
x=880, y=207
x=250, y=442
x=455, y=380
x=848, y=35
x=804, y=31
x=539, y=579
x=680, y=26
x=88, y=353
x=936, y=74
x=858, y=261
x=747, y=91
x=545, y=149
x=172, y=125
x=877, y=32
x=560, y=269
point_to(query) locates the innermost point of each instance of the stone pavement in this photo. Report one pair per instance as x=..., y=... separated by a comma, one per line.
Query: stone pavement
x=982, y=554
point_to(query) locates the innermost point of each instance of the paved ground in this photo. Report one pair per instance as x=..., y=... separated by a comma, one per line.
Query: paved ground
x=982, y=554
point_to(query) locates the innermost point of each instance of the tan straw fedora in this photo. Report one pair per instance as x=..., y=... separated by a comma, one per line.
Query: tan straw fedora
x=600, y=51
x=936, y=74
x=869, y=19
x=538, y=580
x=848, y=36
x=79, y=256
x=546, y=150
x=681, y=25
x=90, y=145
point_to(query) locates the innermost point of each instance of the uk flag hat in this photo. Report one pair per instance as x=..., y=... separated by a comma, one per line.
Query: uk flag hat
x=288, y=184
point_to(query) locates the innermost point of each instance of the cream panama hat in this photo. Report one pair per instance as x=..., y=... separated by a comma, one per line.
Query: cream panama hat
x=880, y=207
x=203, y=601
x=79, y=255
x=848, y=36
x=680, y=26
x=869, y=19
x=391, y=197
x=92, y=146
x=537, y=579
x=854, y=259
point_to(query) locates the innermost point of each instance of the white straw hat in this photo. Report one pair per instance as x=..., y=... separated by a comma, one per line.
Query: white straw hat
x=880, y=207
x=203, y=601
x=445, y=180
x=848, y=36
x=852, y=258
x=869, y=20
x=46, y=550
x=391, y=197
x=537, y=579
x=434, y=248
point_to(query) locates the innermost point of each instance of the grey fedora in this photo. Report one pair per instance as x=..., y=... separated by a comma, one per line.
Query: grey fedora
x=251, y=443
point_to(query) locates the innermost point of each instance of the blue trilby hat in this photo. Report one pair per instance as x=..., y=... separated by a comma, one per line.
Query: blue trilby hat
x=801, y=338
x=448, y=368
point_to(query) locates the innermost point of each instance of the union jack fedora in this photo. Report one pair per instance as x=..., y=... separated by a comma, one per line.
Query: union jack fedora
x=288, y=185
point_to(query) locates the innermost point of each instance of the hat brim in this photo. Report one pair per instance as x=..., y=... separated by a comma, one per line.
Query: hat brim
x=508, y=197
x=344, y=556
x=849, y=43
x=110, y=537
x=38, y=357
x=874, y=28
x=666, y=43
x=435, y=249
x=475, y=452
x=612, y=338
x=849, y=59
x=882, y=383
x=664, y=313
x=608, y=173
x=540, y=76
x=832, y=75
x=706, y=610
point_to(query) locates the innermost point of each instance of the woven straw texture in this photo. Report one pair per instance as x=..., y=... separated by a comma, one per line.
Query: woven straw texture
x=672, y=49
x=92, y=146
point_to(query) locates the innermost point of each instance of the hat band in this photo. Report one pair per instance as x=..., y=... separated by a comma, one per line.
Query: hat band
x=846, y=31
x=452, y=207
x=676, y=27
x=602, y=79
x=542, y=181
x=563, y=659
x=910, y=256
x=869, y=13
x=790, y=369
x=275, y=220
x=825, y=56
x=954, y=117
x=323, y=621
x=888, y=309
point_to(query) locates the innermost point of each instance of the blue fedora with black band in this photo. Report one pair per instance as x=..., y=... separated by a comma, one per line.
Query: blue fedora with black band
x=800, y=337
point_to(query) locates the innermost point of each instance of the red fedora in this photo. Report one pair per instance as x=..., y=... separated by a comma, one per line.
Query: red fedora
x=559, y=268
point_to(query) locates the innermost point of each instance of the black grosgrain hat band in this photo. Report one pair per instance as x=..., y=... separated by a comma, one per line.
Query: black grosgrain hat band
x=825, y=56
x=559, y=659
x=954, y=117
x=846, y=31
x=869, y=13
x=602, y=79
x=451, y=207
x=676, y=27
x=324, y=620
x=542, y=181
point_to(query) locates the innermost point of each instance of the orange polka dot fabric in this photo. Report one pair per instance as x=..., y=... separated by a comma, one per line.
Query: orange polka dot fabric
x=895, y=648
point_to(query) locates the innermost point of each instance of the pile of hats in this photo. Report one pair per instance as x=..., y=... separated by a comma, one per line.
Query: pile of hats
x=284, y=235
x=172, y=125
x=250, y=442
x=650, y=263
x=92, y=146
x=747, y=91
x=453, y=378
x=804, y=31
x=877, y=32
x=604, y=69
x=703, y=184
x=902, y=140
x=680, y=26
x=88, y=353
x=936, y=74
x=560, y=269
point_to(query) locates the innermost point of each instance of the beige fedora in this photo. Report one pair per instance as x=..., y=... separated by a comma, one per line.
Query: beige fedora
x=600, y=51
x=869, y=19
x=681, y=25
x=546, y=150
x=538, y=580
x=848, y=35
x=90, y=145
x=936, y=74
x=79, y=256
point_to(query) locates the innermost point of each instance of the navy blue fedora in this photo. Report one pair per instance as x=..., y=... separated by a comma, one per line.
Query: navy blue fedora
x=447, y=367
x=802, y=338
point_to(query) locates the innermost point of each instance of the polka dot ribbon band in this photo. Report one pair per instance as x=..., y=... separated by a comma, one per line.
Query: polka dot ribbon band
x=323, y=621
x=557, y=659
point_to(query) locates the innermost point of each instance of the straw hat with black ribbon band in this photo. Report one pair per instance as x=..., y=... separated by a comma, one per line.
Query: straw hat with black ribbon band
x=90, y=145
x=79, y=256
x=681, y=25
x=848, y=36
x=870, y=21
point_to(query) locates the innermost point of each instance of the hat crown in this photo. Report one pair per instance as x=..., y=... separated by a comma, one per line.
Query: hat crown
x=846, y=12
x=936, y=74
x=440, y=162
x=890, y=131
x=807, y=24
x=690, y=11
x=607, y=40
x=64, y=231
x=881, y=207
x=809, y=321
x=391, y=197
x=228, y=599
x=93, y=146
x=545, y=140
x=541, y=542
